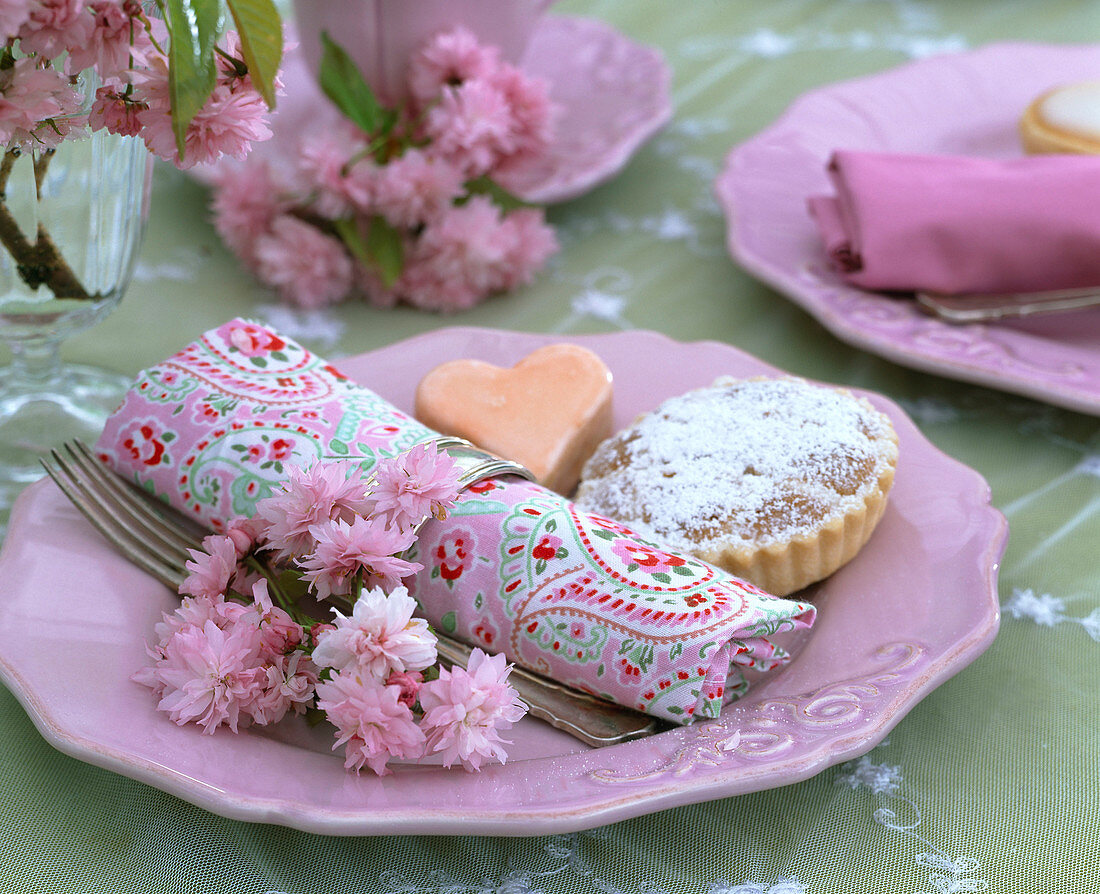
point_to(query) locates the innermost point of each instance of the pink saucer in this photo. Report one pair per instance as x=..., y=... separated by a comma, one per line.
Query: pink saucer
x=911, y=610
x=964, y=104
x=613, y=94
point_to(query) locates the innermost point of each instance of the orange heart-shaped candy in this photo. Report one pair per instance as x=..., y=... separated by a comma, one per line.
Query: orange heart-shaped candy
x=548, y=412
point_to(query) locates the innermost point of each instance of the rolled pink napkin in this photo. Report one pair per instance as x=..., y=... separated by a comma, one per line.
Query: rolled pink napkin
x=513, y=568
x=957, y=225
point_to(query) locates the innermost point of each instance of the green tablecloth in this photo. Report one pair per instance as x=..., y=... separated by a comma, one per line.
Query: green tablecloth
x=991, y=783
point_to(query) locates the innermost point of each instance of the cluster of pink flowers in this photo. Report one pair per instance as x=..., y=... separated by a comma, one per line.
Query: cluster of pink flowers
x=229, y=656
x=48, y=43
x=310, y=230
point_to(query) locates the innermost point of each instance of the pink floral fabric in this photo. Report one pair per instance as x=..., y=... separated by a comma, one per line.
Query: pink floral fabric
x=514, y=568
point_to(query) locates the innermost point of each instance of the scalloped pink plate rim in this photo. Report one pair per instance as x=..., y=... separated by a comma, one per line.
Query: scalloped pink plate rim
x=912, y=609
x=965, y=103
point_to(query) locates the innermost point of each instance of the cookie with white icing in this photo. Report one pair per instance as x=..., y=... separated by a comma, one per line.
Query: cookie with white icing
x=1063, y=120
x=776, y=480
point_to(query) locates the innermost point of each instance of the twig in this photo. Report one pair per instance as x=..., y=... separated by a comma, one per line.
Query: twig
x=39, y=263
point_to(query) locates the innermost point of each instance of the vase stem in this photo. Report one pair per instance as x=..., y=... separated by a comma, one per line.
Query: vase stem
x=35, y=362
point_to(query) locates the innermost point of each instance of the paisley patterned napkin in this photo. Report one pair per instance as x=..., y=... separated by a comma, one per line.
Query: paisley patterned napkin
x=514, y=567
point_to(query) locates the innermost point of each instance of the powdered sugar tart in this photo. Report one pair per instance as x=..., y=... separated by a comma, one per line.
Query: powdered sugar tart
x=777, y=480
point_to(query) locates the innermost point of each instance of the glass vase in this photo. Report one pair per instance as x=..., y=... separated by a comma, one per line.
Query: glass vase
x=71, y=223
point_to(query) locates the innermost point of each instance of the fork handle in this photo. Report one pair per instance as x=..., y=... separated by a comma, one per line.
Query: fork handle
x=592, y=720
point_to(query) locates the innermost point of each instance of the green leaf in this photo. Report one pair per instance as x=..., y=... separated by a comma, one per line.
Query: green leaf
x=380, y=250
x=484, y=186
x=344, y=84
x=449, y=622
x=385, y=245
x=193, y=27
x=261, y=30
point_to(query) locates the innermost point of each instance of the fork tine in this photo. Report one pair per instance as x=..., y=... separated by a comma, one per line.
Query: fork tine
x=169, y=535
x=119, y=503
x=116, y=530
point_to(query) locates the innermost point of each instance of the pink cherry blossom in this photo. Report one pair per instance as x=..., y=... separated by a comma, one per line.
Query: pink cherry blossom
x=308, y=268
x=211, y=568
x=195, y=611
x=459, y=258
x=471, y=115
x=425, y=284
x=115, y=42
x=416, y=187
x=448, y=58
x=337, y=180
x=115, y=113
x=372, y=723
x=289, y=684
x=532, y=112
x=209, y=674
x=30, y=96
x=472, y=126
x=246, y=200
x=363, y=550
x=319, y=493
x=246, y=534
x=465, y=711
x=530, y=244
x=228, y=124
x=55, y=27
x=380, y=638
x=13, y=13
x=414, y=485
x=231, y=120
x=409, y=682
x=280, y=634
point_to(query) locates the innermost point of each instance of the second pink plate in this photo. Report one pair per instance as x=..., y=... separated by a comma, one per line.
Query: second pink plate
x=912, y=609
x=966, y=104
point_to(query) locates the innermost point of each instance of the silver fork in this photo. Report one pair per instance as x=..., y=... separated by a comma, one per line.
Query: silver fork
x=156, y=538
x=989, y=308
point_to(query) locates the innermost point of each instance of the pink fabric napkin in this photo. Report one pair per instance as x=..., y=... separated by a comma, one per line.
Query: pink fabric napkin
x=514, y=568
x=956, y=224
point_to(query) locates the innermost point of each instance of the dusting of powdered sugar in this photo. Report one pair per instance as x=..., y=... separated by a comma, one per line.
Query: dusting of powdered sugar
x=756, y=460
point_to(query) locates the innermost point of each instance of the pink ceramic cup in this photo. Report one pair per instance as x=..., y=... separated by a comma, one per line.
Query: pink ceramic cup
x=380, y=35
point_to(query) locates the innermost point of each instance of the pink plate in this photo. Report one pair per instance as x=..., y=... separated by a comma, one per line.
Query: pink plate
x=613, y=95
x=966, y=104
x=911, y=610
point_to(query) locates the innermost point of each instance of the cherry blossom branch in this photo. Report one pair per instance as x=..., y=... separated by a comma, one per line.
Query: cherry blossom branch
x=39, y=263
